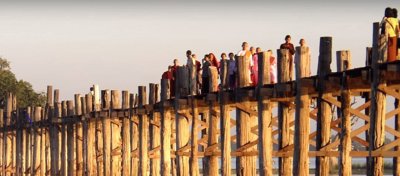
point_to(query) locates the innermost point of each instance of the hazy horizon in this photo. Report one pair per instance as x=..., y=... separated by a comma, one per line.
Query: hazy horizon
x=72, y=45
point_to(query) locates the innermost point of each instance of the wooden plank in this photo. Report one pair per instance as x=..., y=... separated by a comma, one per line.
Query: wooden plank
x=106, y=133
x=134, y=137
x=91, y=139
x=36, y=144
x=284, y=117
x=396, y=160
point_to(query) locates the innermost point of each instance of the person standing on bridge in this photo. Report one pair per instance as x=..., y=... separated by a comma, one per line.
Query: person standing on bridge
x=272, y=68
x=254, y=67
x=288, y=45
x=246, y=54
x=232, y=71
x=392, y=29
x=174, y=69
x=205, y=75
x=303, y=43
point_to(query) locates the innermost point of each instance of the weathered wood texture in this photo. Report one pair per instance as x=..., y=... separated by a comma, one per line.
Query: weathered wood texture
x=302, y=119
x=285, y=116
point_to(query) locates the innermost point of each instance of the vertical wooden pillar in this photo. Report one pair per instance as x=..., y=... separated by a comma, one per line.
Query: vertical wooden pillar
x=194, y=163
x=54, y=139
x=246, y=165
x=64, y=163
x=8, y=137
x=13, y=135
x=378, y=106
x=285, y=117
x=213, y=124
x=79, y=136
x=134, y=135
x=181, y=122
x=126, y=136
x=344, y=63
x=143, y=132
x=166, y=124
x=396, y=160
x=36, y=143
x=265, y=144
x=91, y=140
x=43, y=144
x=154, y=131
x=19, y=146
x=324, y=116
x=302, y=120
x=115, y=134
x=70, y=140
x=225, y=121
x=84, y=119
x=106, y=124
x=98, y=130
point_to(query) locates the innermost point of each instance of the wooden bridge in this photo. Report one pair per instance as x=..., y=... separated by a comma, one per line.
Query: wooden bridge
x=119, y=133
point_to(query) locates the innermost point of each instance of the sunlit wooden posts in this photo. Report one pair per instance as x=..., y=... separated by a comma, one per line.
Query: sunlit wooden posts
x=166, y=124
x=106, y=127
x=36, y=142
x=285, y=116
x=245, y=120
x=155, y=127
x=378, y=105
x=324, y=115
x=344, y=63
x=225, y=121
x=302, y=117
x=133, y=103
x=265, y=144
x=143, y=132
x=70, y=139
x=181, y=122
x=115, y=133
x=78, y=136
x=213, y=124
x=126, y=135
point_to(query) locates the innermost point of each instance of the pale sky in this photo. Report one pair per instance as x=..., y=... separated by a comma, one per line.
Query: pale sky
x=121, y=45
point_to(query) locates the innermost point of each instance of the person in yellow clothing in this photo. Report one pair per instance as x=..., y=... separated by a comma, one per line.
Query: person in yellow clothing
x=392, y=29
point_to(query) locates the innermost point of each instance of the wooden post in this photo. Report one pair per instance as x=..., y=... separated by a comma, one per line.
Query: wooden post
x=225, y=121
x=64, y=163
x=285, y=117
x=213, y=124
x=70, y=139
x=265, y=144
x=91, y=140
x=106, y=124
x=126, y=137
x=324, y=116
x=98, y=131
x=194, y=159
x=396, y=160
x=13, y=135
x=302, y=120
x=181, y=122
x=84, y=119
x=54, y=143
x=8, y=137
x=79, y=136
x=43, y=144
x=19, y=137
x=224, y=77
x=344, y=63
x=166, y=124
x=36, y=143
x=134, y=136
x=154, y=131
x=115, y=134
x=246, y=165
x=143, y=132
x=378, y=106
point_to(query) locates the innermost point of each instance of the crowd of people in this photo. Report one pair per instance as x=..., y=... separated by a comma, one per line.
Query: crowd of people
x=200, y=75
x=390, y=28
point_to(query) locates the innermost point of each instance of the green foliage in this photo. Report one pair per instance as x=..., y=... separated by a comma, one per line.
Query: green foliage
x=26, y=96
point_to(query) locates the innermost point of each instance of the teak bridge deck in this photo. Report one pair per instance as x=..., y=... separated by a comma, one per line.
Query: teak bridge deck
x=113, y=133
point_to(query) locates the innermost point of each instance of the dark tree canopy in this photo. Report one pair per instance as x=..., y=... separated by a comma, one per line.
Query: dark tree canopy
x=26, y=96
